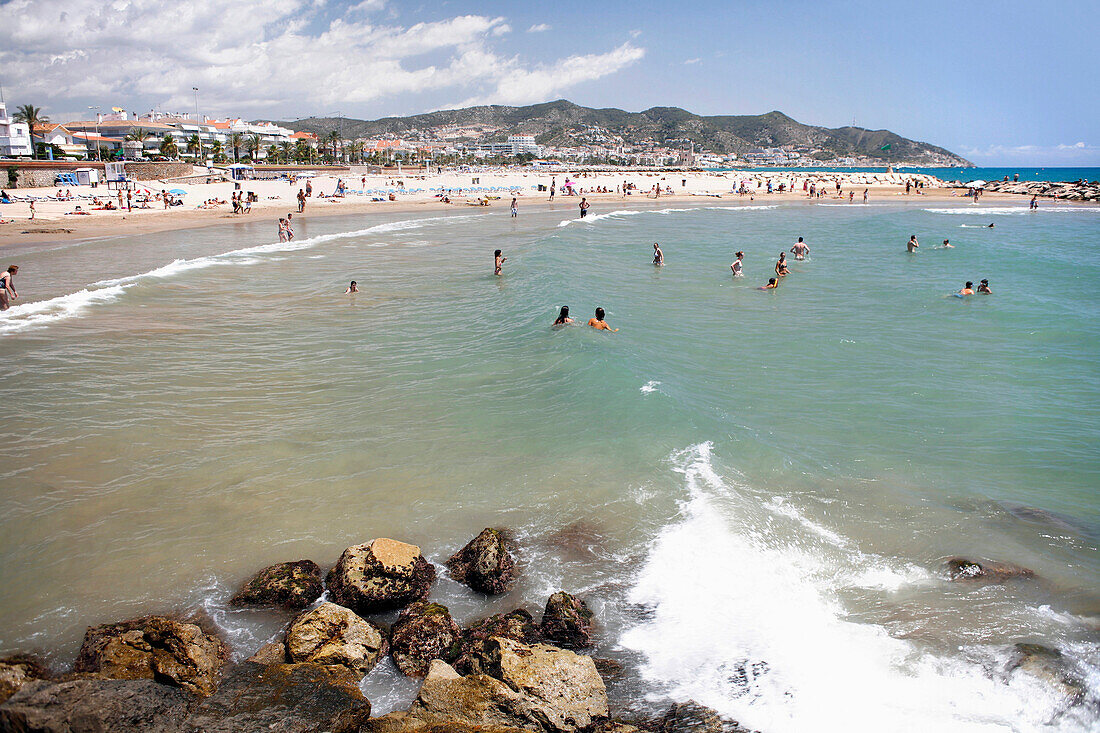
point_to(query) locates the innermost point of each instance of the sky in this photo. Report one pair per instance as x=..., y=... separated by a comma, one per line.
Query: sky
x=1001, y=83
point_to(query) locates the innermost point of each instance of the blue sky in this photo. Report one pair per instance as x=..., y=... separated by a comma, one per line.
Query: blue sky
x=1001, y=83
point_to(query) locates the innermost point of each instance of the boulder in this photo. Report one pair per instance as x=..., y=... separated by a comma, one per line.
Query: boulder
x=332, y=634
x=567, y=621
x=271, y=653
x=16, y=671
x=563, y=690
x=423, y=632
x=473, y=654
x=154, y=647
x=380, y=576
x=282, y=698
x=609, y=669
x=959, y=568
x=485, y=564
x=405, y=722
x=290, y=585
x=1049, y=666
x=691, y=717
x=476, y=699
x=96, y=706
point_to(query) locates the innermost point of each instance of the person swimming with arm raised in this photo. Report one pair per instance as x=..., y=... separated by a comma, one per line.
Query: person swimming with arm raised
x=597, y=322
x=912, y=246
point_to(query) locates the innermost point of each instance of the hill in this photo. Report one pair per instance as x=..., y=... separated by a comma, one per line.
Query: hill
x=564, y=124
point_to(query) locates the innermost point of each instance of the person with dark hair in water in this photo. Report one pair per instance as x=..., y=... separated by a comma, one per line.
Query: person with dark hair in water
x=7, y=287
x=563, y=317
x=498, y=261
x=658, y=255
x=773, y=283
x=353, y=288
x=737, y=268
x=599, y=323
x=781, y=268
x=983, y=287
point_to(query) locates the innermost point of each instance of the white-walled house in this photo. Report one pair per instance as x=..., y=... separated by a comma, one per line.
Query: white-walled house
x=15, y=137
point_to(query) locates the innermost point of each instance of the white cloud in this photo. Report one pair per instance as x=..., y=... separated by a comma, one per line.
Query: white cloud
x=538, y=28
x=693, y=61
x=270, y=58
x=1066, y=154
x=635, y=33
x=524, y=86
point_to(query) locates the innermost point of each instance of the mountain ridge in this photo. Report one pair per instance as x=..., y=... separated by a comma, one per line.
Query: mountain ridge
x=561, y=123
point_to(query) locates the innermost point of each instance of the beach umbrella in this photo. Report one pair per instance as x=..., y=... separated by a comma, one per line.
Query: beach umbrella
x=975, y=184
x=177, y=192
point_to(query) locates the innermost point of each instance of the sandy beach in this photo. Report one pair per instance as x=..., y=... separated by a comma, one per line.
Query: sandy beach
x=54, y=220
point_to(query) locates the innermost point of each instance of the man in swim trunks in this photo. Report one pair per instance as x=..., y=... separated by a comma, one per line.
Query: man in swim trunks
x=584, y=207
x=599, y=323
x=800, y=249
x=658, y=255
x=912, y=246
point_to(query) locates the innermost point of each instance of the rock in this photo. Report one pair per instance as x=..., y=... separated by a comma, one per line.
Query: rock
x=290, y=584
x=16, y=671
x=1048, y=665
x=332, y=634
x=476, y=699
x=423, y=632
x=485, y=564
x=691, y=717
x=959, y=568
x=517, y=625
x=609, y=669
x=567, y=621
x=380, y=576
x=96, y=706
x=272, y=653
x=283, y=698
x=564, y=689
x=154, y=647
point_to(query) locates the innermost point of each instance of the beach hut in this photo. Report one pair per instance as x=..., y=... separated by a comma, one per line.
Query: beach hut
x=241, y=171
x=86, y=176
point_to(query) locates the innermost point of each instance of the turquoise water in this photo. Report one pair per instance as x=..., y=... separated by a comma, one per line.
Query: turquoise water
x=1026, y=173
x=755, y=490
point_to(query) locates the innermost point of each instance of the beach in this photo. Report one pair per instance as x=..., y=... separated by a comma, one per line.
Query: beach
x=757, y=493
x=54, y=222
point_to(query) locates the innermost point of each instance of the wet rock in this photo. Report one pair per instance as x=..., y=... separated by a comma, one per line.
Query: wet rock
x=290, y=585
x=154, y=647
x=96, y=706
x=567, y=621
x=517, y=625
x=691, y=717
x=1050, y=666
x=283, y=698
x=272, y=653
x=485, y=564
x=478, y=700
x=17, y=670
x=609, y=669
x=380, y=576
x=959, y=568
x=423, y=632
x=563, y=689
x=332, y=634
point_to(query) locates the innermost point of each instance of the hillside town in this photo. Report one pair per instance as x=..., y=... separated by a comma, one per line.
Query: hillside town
x=124, y=135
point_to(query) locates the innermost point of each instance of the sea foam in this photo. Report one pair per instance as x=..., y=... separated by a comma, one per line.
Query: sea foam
x=752, y=626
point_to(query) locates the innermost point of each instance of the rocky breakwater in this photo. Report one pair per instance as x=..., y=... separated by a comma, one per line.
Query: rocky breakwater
x=1080, y=190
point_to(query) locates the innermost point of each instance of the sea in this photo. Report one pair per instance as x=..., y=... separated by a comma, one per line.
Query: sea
x=961, y=175
x=755, y=491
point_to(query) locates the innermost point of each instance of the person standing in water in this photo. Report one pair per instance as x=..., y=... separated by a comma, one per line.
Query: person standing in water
x=282, y=229
x=1034, y=203
x=553, y=185
x=353, y=288
x=736, y=266
x=781, y=268
x=563, y=317
x=599, y=323
x=515, y=211
x=301, y=201
x=983, y=287
x=968, y=289
x=912, y=246
x=7, y=287
x=800, y=249
x=658, y=255
x=583, y=207
x=498, y=261
x=865, y=195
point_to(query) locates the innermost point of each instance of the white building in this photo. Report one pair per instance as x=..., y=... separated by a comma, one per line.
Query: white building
x=15, y=137
x=524, y=144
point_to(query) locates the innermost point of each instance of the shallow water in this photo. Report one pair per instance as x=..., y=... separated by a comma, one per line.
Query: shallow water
x=754, y=490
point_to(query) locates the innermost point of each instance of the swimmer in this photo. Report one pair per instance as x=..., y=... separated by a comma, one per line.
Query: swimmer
x=912, y=246
x=947, y=244
x=990, y=225
x=353, y=288
x=968, y=289
x=599, y=323
x=498, y=260
x=773, y=283
x=736, y=266
x=563, y=317
x=781, y=266
x=800, y=249
x=658, y=255
x=983, y=287
x=7, y=286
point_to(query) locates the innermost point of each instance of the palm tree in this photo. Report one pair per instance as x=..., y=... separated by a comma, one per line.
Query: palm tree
x=285, y=150
x=254, y=146
x=194, y=145
x=216, y=151
x=236, y=140
x=33, y=116
x=303, y=151
x=168, y=146
x=139, y=135
x=272, y=153
x=334, y=138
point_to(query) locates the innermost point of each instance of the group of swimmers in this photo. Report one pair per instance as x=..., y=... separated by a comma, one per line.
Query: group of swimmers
x=597, y=321
x=968, y=289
